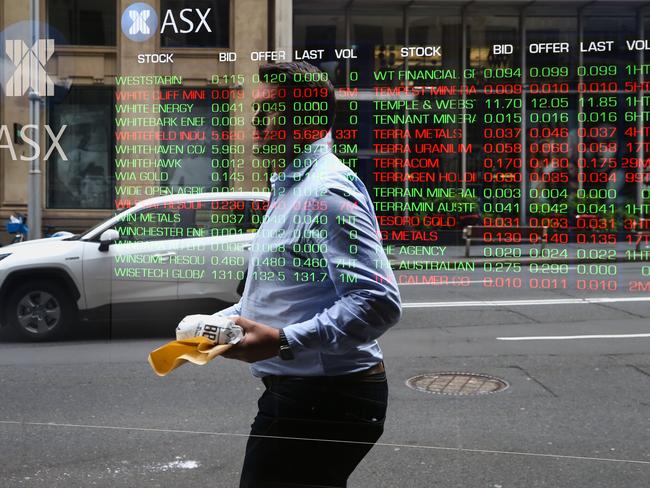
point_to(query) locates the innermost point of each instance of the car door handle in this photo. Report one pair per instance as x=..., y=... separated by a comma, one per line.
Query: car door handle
x=164, y=256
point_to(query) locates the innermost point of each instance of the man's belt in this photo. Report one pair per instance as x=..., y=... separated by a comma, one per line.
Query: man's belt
x=375, y=373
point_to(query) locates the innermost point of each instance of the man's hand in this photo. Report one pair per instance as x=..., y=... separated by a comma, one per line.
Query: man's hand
x=259, y=342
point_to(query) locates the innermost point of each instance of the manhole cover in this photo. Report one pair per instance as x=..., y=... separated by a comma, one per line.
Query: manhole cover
x=456, y=384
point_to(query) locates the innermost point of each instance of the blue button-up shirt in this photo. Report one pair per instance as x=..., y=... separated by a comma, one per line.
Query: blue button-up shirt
x=317, y=269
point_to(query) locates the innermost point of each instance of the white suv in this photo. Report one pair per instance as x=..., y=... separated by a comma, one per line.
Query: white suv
x=174, y=254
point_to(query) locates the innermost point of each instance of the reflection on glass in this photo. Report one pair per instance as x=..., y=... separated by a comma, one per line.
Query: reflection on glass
x=85, y=180
x=83, y=22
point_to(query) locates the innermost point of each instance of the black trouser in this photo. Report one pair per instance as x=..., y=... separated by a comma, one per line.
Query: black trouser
x=322, y=413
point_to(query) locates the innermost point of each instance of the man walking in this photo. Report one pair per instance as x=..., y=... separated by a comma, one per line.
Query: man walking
x=319, y=292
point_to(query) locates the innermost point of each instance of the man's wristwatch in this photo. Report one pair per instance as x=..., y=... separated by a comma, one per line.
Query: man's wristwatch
x=285, y=351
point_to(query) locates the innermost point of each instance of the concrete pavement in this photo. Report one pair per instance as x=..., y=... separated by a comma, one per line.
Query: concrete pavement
x=576, y=414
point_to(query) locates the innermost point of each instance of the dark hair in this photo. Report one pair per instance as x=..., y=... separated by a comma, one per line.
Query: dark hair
x=297, y=75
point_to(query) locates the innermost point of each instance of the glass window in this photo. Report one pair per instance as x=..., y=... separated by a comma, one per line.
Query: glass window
x=207, y=164
x=377, y=39
x=159, y=223
x=550, y=30
x=194, y=32
x=440, y=30
x=227, y=217
x=484, y=30
x=257, y=210
x=313, y=32
x=83, y=22
x=85, y=180
x=186, y=220
x=616, y=137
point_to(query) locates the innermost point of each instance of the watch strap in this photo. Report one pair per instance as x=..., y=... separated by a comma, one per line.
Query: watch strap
x=285, y=353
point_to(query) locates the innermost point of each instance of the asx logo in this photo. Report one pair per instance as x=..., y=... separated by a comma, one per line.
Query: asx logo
x=23, y=135
x=30, y=67
x=140, y=21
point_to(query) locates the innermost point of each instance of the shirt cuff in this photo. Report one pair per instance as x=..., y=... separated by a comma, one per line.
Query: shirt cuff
x=301, y=336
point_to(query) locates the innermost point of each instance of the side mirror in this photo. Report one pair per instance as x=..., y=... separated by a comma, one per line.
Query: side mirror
x=107, y=238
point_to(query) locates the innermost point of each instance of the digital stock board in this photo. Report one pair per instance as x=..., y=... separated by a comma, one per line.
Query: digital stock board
x=533, y=148
x=485, y=133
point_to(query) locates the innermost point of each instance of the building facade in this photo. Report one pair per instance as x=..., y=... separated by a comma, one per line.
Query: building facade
x=91, y=51
x=518, y=155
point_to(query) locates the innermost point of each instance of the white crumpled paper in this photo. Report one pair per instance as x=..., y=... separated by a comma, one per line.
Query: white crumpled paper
x=219, y=329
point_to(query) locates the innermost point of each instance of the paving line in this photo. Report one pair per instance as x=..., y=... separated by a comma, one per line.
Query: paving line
x=520, y=303
x=382, y=444
x=559, y=338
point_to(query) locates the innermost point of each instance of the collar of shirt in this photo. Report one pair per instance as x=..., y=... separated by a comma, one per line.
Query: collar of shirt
x=302, y=163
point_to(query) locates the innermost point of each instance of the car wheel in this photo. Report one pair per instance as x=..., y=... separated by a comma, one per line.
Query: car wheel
x=39, y=310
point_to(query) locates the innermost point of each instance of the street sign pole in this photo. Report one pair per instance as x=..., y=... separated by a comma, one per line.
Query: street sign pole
x=34, y=195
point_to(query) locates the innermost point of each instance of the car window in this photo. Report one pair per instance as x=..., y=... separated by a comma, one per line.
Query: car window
x=226, y=217
x=160, y=222
x=256, y=210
